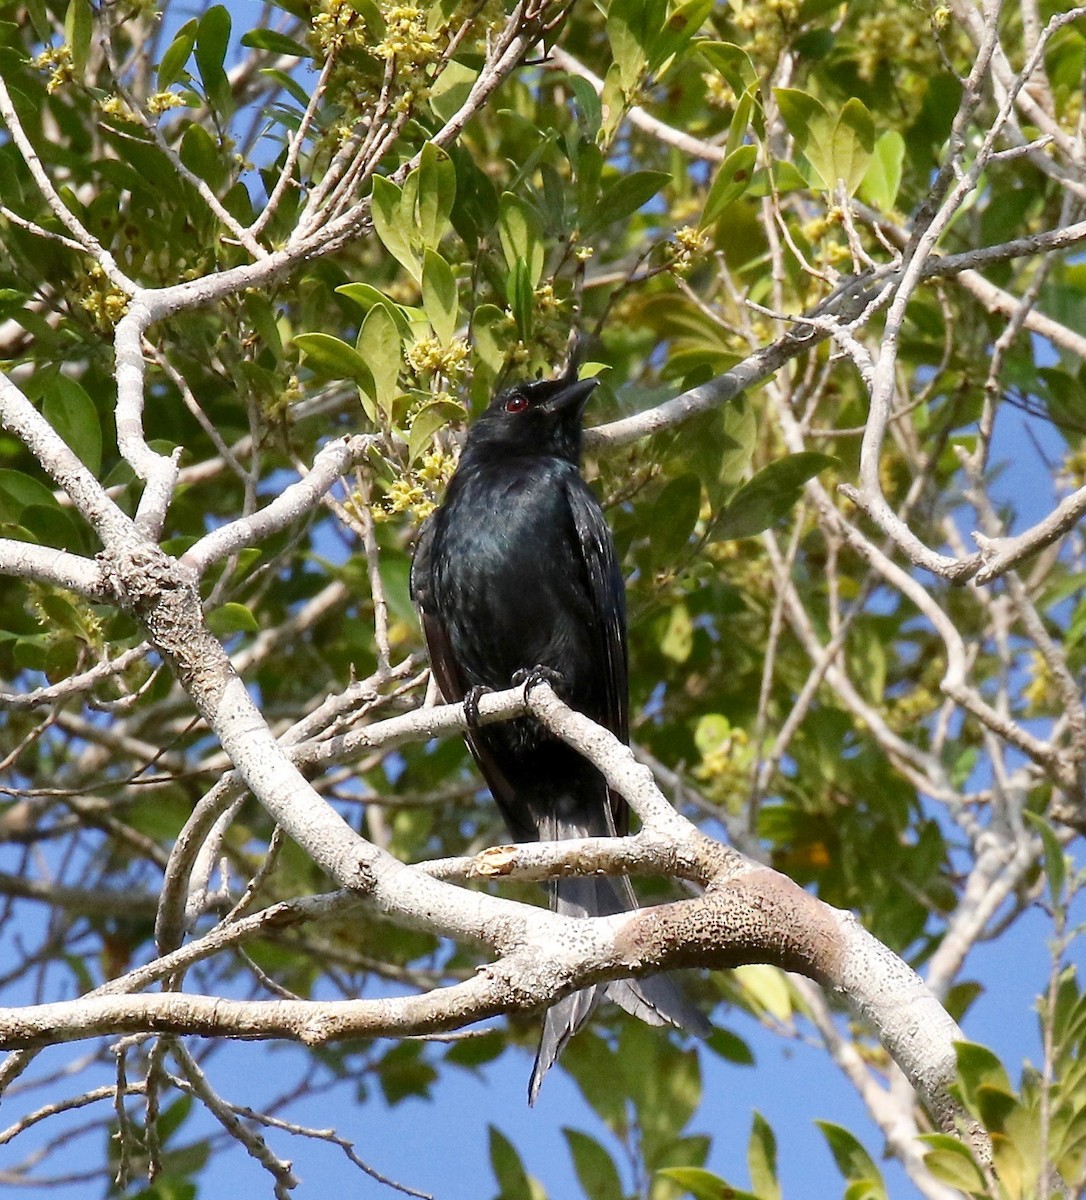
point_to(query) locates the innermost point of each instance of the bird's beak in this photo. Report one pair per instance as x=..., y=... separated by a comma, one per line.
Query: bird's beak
x=573, y=396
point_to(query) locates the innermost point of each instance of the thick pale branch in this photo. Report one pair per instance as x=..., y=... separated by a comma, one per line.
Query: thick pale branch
x=293, y=502
x=847, y=303
x=535, y=862
x=21, y=418
x=46, y=565
x=747, y=914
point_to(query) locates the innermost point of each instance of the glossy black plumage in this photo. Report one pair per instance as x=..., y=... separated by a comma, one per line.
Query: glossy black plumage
x=517, y=570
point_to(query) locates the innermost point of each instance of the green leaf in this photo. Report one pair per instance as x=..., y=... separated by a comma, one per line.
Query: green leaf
x=288, y=83
x=702, y=1184
x=762, y=1160
x=520, y=229
x=404, y=1072
x=436, y=193
x=392, y=226
x=475, y=1052
x=333, y=357
x=979, y=1068
x=439, y=297
x=366, y=297
x=882, y=181
x=1055, y=858
x=39, y=19
x=673, y=517
x=732, y=62
x=519, y=293
x=451, y=88
x=864, y=1189
x=231, y=618
x=624, y=196
x=588, y=102
x=212, y=41
x=809, y=124
x=274, y=43
x=64, y=615
x=507, y=1167
x=490, y=331
x=741, y=120
x=951, y=1162
x=810, y=10
x=767, y=988
x=730, y=1047
x=19, y=491
x=837, y=148
x=32, y=653
x=853, y=144
x=200, y=153
x=71, y=412
x=682, y=23
x=731, y=181
x=78, y=28
x=50, y=525
x=627, y=48
x=595, y=1168
x=774, y=490
x=677, y=635
x=380, y=348
x=851, y=1158
x=427, y=421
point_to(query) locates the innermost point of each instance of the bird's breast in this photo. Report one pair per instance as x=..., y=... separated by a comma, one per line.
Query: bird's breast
x=508, y=576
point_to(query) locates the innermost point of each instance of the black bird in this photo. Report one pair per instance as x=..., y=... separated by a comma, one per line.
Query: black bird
x=515, y=574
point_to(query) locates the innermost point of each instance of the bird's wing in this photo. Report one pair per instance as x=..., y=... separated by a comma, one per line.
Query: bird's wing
x=607, y=594
x=442, y=661
x=450, y=681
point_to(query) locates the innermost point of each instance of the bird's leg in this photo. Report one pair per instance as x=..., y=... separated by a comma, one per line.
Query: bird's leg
x=532, y=677
x=471, y=704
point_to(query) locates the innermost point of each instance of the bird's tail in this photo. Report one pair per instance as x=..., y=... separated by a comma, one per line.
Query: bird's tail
x=655, y=1000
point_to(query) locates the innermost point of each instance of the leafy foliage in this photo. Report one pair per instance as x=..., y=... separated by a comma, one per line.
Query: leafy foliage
x=680, y=183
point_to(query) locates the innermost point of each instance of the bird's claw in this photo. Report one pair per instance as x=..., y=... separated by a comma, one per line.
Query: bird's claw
x=532, y=677
x=471, y=704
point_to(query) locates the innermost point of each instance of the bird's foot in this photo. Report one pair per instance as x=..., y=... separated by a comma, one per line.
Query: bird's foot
x=471, y=704
x=532, y=677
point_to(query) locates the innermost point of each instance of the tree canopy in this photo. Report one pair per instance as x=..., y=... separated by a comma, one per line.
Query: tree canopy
x=260, y=266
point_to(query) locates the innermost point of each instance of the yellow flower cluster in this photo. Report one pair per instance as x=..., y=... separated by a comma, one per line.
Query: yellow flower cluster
x=885, y=39
x=1041, y=694
x=429, y=355
x=415, y=492
x=1073, y=471
x=159, y=102
x=437, y=467
x=766, y=21
x=338, y=25
x=406, y=36
x=688, y=245
x=906, y=712
x=114, y=106
x=718, y=91
x=404, y=494
x=97, y=296
x=58, y=61
x=546, y=301
x=725, y=768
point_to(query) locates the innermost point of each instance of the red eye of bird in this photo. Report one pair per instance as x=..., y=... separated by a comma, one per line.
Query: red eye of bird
x=515, y=404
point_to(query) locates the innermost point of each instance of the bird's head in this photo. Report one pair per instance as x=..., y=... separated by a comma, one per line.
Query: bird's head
x=541, y=418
